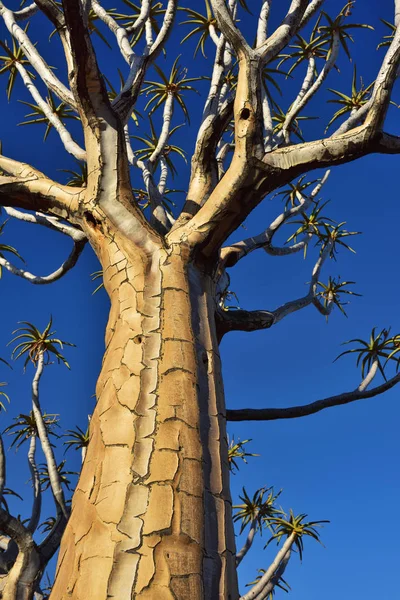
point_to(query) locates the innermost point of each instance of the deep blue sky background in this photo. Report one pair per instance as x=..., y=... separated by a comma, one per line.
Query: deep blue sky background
x=341, y=464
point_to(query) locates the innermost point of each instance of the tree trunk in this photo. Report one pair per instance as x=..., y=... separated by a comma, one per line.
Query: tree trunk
x=151, y=515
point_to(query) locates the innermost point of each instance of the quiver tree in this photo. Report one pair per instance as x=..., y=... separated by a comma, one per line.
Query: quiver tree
x=151, y=514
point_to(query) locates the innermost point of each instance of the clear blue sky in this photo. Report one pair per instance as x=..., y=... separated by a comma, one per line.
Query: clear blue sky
x=341, y=464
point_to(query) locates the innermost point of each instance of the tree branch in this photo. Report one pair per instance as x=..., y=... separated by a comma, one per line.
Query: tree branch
x=126, y=99
x=310, y=11
x=262, y=26
x=242, y=320
x=84, y=75
x=52, y=223
x=309, y=89
x=282, y=35
x=120, y=32
x=67, y=265
x=37, y=62
x=22, y=575
x=266, y=592
x=230, y=255
x=380, y=98
x=27, y=188
x=229, y=29
x=2, y=468
x=204, y=172
x=69, y=144
x=37, y=491
x=26, y=12
x=51, y=543
x=294, y=412
x=54, y=477
x=258, y=588
x=248, y=543
x=52, y=12
x=108, y=168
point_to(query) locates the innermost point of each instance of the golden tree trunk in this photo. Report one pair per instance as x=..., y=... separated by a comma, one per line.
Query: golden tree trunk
x=151, y=515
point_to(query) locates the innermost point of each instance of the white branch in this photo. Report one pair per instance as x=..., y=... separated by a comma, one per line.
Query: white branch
x=354, y=119
x=264, y=239
x=221, y=156
x=143, y=15
x=266, y=593
x=69, y=144
x=295, y=305
x=37, y=62
x=50, y=222
x=214, y=94
x=260, y=585
x=27, y=12
x=369, y=376
x=268, y=124
x=310, y=11
x=120, y=32
x=248, y=543
x=282, y=35
x=262, y=27
x=162, y=182
x=54, y=476
x=306, y=93
x=57, y=274
x=37, y=492
x=163, y=139
x=126, y=99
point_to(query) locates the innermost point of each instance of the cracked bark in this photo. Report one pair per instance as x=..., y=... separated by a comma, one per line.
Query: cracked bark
x=151, y=516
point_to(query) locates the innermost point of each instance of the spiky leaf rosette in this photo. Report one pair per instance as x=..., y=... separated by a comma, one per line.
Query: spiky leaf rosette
x=260, y=508
x=24, y=427
x=380, y=345
x=77, y=438
x=7, y=248
x=295, y=524
x=339, y=26
x=35, y=343
x=63, y=475
x=237, y=451
x=175, y=84
x=38, y=116
x=13, y=55
x=331, y=293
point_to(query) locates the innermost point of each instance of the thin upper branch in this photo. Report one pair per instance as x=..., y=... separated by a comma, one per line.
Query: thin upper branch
x=262, y=27
x=230, y=255
x=84, y=75
x=380, y=98
x=69, y=144
x=126, y=99
x=254, y=320
x=227, y=26
x=283, y=34
x=36, y=60
x=120, y=32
